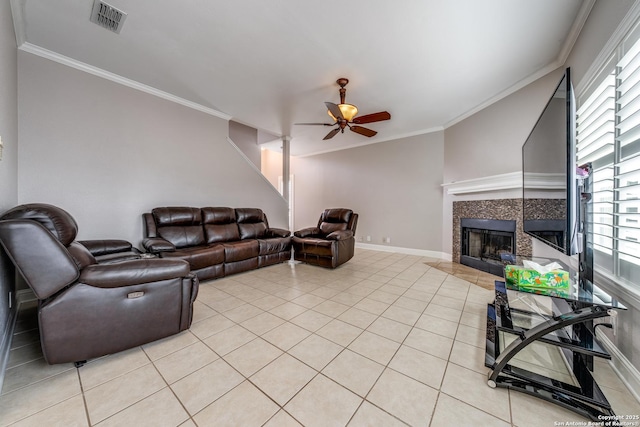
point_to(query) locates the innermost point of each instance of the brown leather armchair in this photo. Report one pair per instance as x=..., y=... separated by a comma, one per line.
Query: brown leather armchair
x=331, y=243
x=88, y=308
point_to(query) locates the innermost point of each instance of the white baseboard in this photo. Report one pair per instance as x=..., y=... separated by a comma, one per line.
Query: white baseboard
x=5, y=341
x=400, y=250
x=627, y=373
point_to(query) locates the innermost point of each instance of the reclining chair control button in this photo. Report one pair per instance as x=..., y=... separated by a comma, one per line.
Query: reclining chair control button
x=132, y=295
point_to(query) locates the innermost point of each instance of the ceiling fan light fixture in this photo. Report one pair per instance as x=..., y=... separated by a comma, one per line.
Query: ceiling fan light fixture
x=348, y=111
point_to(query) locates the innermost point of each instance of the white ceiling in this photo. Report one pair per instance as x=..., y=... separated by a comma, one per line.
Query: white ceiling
x=269, y=64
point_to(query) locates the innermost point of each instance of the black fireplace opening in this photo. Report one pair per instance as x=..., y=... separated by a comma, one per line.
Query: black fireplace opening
x=486, y=243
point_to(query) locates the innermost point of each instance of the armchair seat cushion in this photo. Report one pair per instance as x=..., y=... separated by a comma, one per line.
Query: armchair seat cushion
x=314, y=246
x=117, y=257
x=198, y=256
x=133, y=272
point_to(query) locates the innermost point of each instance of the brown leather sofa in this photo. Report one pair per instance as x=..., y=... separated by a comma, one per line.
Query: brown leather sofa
x=331, y=243
x=88, y=308
x=216, y=241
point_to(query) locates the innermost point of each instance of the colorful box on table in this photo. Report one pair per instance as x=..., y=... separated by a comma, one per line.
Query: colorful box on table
x=553, y=283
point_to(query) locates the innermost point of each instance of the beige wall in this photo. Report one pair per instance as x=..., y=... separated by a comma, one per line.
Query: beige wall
x=490, y=142
x=108, y=153
x=8, y=109
x=603, y=20
x=9, y=162
x=246, y=139
x=271, y=166
x=394, y=186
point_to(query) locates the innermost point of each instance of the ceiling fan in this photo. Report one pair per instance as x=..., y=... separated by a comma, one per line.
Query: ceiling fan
x=344, y=115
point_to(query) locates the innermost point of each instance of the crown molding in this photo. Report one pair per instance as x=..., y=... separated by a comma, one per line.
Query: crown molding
x=603, y=58
x=99, y=72
x=574, y=32
x=576, y=28
x=375, y=141
x=516, y=87
x=17, y=12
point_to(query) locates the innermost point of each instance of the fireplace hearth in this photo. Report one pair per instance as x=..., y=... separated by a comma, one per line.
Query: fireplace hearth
x=486, y=243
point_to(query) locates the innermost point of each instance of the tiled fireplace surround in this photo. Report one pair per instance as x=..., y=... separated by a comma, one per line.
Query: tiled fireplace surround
x=504, y=209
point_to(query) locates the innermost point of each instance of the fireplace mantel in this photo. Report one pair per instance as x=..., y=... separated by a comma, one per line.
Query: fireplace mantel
x=505, y=181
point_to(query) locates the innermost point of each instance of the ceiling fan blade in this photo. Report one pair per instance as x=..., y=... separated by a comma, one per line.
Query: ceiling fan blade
x=363, y=131
x=331, y=134
x=370, y=118
x=315, y=124
x=334, y=110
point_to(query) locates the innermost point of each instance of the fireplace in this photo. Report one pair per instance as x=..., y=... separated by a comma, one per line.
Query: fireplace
x=486, y=243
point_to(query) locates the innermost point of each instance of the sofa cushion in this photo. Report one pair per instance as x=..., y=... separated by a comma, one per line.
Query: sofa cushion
x=181, y=226
x=251, y=223
x=240, y=250
x=314, y=246
x=198, y=257
x=220, y=225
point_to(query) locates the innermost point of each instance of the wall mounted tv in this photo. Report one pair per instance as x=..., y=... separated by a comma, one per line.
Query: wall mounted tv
x=550, y=196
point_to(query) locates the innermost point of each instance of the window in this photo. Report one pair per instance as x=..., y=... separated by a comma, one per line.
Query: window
x=608, y=136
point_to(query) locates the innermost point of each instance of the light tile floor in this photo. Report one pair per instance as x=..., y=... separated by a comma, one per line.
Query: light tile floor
x=385, y=340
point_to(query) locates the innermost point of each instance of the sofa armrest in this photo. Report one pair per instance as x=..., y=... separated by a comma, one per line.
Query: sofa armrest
x=340, y=235
x=106, y=247
x=156, y=245
x=307, y=232
x=277, y=232
x=133, y=272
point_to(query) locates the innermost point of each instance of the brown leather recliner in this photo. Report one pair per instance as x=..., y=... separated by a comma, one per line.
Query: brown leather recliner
x=331, y=243
x=88, y=308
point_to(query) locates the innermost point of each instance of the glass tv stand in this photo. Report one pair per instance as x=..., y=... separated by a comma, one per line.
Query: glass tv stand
x=544, y=345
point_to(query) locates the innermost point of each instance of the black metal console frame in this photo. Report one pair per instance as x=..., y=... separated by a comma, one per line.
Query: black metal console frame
x=586, y=399
x=574, y=313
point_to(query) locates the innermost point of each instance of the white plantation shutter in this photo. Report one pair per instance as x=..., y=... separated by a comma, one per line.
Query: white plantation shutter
x=596, y=144
x=627, y=166
x=609, y=137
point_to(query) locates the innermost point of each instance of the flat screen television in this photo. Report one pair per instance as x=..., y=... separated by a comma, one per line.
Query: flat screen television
x=550, y=196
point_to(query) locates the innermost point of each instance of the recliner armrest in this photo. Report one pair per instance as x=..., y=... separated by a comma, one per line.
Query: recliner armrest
x=157, y=244
x=307, y=232
x=340, y=235
x=106, y=247
x=277, y=232
x=133, y=272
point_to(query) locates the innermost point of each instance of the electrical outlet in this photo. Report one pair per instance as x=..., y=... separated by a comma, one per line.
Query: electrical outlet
x=386, y=239
x=368, y=238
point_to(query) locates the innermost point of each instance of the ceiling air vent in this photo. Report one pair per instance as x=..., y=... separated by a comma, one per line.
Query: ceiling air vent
x=107, y=16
